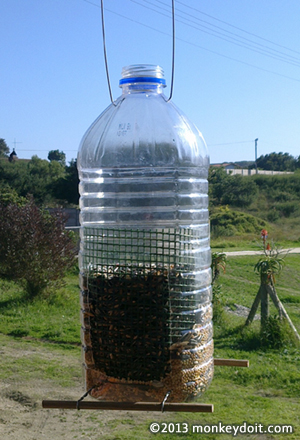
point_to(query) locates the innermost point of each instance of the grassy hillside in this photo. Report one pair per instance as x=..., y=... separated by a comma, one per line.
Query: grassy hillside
x=240, y=206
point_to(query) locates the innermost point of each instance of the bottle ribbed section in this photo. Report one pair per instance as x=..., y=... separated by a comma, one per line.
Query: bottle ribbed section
x=141, y=197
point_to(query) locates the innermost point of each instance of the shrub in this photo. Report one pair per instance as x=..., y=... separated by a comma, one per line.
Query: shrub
x=239, y=191
x=277, y=334
x=225, y=222
x=9, y=195
x=35, y=248
x=287, y=208
x=234, y=190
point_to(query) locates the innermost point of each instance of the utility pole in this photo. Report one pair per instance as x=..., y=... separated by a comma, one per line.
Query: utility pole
x=256, y=155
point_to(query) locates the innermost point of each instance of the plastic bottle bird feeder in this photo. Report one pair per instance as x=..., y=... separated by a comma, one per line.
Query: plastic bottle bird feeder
x=145, y=255
x=145, y=274
x=145, y=258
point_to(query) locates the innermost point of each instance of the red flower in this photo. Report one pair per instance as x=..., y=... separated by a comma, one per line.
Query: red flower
x=264, y=233
x=268, y=248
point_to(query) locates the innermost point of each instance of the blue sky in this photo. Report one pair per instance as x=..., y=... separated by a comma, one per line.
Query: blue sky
x=53, y=82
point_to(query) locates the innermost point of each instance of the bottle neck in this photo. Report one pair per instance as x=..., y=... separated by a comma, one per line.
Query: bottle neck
x=142, y=78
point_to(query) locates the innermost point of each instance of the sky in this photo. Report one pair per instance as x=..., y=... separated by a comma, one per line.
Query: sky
x=237, y=65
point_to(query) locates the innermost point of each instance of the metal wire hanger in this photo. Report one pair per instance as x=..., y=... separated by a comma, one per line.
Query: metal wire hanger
x=173, y=52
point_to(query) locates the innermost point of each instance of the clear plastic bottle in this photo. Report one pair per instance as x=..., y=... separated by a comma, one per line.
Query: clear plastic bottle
x=145, y=252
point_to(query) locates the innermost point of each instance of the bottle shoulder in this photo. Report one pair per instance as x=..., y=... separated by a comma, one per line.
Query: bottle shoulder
x=142, y=130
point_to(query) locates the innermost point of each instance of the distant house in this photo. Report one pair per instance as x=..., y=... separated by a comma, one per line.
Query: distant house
x=234, y=168
x=226, y=165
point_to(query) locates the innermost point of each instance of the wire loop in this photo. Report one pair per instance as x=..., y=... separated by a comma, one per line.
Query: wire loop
x=173, y=50
x=164, y=401
x=83, y=397
x=105, y=54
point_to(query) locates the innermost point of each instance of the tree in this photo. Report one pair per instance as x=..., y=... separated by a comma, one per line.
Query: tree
x=217, y=180
x=41, y=175
x=35, y=248
x=4, y=150
x=57, y=155
x=36, y=177
x=233, y=190
x=239, y=191
x=277, y=162
x=9, y=195
x=66, y=188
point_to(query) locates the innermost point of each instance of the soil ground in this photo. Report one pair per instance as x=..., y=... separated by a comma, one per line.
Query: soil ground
x=22, y=416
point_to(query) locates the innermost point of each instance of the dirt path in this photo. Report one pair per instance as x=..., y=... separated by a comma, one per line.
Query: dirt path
x=23, y=418
x=241, y=253
x=22, y=391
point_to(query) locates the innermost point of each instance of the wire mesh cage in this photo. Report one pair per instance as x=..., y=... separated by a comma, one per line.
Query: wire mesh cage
x=146, y=313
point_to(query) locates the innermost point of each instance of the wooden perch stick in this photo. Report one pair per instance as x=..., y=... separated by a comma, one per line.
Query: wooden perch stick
x=128, y=406
x=231, y=362
x=143, y=406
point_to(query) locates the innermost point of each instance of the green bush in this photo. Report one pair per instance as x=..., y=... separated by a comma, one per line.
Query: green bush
x=35, y=248
x=284, y=187
x=222, y=231
x=283, y=196
x=235, y=190
x=288, y=208
x=9, y=195
x=273, y=215
x=276, y=334
x=225, y=222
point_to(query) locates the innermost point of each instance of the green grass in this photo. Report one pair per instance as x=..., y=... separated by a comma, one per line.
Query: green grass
x=55, y=318
x=40, y=365
x=240, y=282
x=267, y=392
